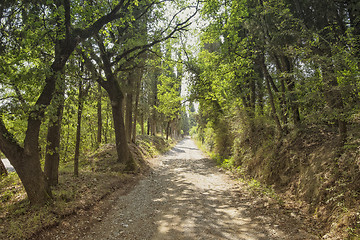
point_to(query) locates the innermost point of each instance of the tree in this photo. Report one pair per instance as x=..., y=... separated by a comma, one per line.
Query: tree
x=169, y=99
x=271, y=64
x=52, y=157
x=25, y=157
x=114, y=61
x=3, y=171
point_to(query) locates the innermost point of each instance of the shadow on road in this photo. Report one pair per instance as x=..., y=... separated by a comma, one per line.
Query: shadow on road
x=198, y=204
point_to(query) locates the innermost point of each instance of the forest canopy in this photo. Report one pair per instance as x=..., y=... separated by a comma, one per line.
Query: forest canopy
x=273, y=88
x=283, y=63
x=75, y=74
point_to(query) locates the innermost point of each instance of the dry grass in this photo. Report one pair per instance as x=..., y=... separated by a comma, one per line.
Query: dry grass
x=100, y=175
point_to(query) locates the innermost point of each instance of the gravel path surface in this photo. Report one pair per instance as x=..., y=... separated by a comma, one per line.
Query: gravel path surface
x=187, y=197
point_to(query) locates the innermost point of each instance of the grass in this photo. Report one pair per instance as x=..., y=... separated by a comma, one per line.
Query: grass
x=100, y=174
x=254, y=186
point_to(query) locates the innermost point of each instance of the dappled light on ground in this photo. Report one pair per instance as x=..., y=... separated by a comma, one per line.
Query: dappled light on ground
x=187, y=197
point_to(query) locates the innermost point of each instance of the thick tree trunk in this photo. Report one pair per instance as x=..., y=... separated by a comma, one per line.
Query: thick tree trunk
x=117, y=98
x=122, y=147
x=26, y=160
x=52, y=156
x=27, y=165
x=33, y=179
x=116, y=95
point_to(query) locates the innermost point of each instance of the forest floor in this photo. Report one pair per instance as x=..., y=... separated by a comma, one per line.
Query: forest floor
x=185, y=196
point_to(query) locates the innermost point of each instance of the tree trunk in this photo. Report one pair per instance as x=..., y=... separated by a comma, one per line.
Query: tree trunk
x=27, y=165
x=99, y=116
x=117, y=98
x=131, y=84
x=271, y=97
x=290, y=82
x=78, y=129
x=142, y=124
x=153, y=123
x=129, y=115
x=33, y=179
x=122, y=147
x=3, y=171
x=167, y=130
x=26, y=160
x=136, y=110
x=52, y=157
x=282, y=96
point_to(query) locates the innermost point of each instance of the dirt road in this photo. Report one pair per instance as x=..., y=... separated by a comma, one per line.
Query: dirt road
x=187, y=197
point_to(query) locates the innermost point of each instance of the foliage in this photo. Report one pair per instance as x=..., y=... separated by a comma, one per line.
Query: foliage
x=99, y=177
x=270, y=71
x=169, y=97
x=45, y=51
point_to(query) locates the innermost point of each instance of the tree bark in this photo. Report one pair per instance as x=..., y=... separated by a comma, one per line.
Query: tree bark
x=122, y=147
x=282, y=96
x=116, y=95
x=353, y=10
x=99, y=116
x=136, y=110
x=26, y=160
x=271, y=97
x=52, y=156
x=142, y=123
x=27, y=165
x=167, y=130
x=78, y=129
x=129, y=106
x=290, y=82
x=3, y=171
x=148, y=126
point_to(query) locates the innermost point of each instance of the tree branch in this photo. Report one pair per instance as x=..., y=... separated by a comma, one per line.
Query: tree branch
x=177, y=28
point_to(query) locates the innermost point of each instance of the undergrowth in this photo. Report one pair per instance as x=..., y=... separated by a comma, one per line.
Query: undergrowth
x=230, y=164
x=309, y=166
x=100, y=174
